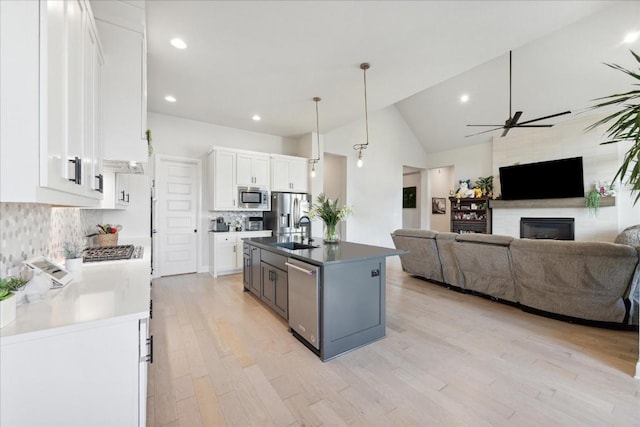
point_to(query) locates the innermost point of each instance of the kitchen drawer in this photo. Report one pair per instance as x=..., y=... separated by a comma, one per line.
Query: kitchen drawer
x=225, y=238
x=274, y=260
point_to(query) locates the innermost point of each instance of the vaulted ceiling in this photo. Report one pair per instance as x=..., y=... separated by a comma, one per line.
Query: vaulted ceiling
x=272, y=57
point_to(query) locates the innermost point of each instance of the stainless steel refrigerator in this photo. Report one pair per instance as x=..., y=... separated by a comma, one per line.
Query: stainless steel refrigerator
x=289, y=214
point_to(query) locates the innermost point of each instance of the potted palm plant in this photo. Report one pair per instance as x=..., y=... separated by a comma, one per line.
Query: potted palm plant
x=327, y=210
x=625, y=127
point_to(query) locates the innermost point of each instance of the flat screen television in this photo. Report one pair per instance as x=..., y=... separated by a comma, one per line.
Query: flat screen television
x=554, y=179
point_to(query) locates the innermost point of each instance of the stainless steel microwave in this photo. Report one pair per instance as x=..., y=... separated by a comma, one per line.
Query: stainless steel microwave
x=256, y=198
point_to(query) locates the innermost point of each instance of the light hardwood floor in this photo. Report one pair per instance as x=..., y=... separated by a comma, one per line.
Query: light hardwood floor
x=223, y=358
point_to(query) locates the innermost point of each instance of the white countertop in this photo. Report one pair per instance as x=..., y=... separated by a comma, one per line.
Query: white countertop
x=103, y=291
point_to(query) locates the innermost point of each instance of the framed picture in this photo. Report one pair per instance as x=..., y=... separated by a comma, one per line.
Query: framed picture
x=409, y=198
x=438, y=205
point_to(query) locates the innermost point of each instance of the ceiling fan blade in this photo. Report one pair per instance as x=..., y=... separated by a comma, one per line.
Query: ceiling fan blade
x=506, y=131
x=513, y=121
x=500, y=126
x=532, y=126
x=546, y=117
x=484, y=131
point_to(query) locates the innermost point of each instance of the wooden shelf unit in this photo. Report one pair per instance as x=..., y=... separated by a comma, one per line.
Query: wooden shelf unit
x=470, y=215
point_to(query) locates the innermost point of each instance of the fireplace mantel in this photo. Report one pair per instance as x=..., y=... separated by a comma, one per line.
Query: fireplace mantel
x=573, y=202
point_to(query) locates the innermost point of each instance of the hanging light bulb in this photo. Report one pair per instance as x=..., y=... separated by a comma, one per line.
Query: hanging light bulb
x=359, y=147
x=316, y=159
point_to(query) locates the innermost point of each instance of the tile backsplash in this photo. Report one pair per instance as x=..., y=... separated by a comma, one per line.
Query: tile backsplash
x=29, y=230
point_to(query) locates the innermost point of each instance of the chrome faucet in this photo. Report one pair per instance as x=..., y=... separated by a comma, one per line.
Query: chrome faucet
x=305, y=224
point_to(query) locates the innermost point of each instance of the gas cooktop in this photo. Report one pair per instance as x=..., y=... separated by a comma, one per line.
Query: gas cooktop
x=112, y=253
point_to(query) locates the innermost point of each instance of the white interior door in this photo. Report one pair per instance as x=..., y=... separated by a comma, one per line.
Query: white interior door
x=177, y=190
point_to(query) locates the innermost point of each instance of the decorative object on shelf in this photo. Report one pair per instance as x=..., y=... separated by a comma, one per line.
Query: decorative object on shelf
x=485, y=184
x=328, y=211
x=72, y=257
x=315, y=160
x=8, y=287
x=409, y=198
x=593, y=199
x=470, y=215
x=108, y=234
x=359, y=147
x=512, y=120
x=625, y=127
x=593, y=202
x=464, y=190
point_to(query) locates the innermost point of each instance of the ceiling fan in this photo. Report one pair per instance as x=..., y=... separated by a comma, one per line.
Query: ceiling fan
x=512, y=121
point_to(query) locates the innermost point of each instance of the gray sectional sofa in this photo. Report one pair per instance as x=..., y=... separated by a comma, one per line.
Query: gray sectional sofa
x=588, y=282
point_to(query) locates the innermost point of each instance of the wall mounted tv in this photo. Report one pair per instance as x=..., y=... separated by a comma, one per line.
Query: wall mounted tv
x=553, y=179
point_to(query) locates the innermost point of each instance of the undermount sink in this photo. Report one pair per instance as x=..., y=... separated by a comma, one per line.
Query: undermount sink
x=293, y=245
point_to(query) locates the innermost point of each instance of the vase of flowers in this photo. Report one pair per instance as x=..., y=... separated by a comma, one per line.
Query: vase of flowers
x=327, y=210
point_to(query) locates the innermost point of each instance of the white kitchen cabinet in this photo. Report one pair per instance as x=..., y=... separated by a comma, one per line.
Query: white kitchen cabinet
x=49, y=141
x=226, y=251
x=124, y=94
x=252, y=170
x=222, y=171
x=78, y=378
x=288, y=173
x=117, y=191
x=79, y=356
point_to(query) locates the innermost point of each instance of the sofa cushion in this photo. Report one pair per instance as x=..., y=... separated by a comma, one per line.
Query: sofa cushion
x=422, y=259
x=451, y=274
x=586, y=280
x=415, y=232
x=485, y=264
x=629, y=236
x=489, y=239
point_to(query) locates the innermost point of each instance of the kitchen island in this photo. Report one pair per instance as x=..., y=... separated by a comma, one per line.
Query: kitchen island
x=333, y=295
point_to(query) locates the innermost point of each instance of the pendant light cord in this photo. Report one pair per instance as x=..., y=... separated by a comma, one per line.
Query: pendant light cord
x=364, y=67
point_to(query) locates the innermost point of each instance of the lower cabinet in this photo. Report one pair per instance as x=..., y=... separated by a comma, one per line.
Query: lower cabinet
x=226, y=254
x=77, y=376
x=275, y=289
x=265, y=275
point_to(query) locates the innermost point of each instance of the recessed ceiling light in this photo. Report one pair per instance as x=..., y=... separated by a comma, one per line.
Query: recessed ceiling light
x=464, y=98
x=170, y=98
x=631, y=37
x=178, y=43
x=256, y=118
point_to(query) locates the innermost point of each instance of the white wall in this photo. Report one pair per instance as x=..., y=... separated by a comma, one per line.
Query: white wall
x=374, y=191
x=440, y=184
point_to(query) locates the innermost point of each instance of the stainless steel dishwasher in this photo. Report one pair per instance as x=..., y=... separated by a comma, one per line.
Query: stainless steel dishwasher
x=304, y=300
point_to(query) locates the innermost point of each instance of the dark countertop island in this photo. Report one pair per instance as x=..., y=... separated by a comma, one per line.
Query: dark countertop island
x=332, y=294
x=324, y=253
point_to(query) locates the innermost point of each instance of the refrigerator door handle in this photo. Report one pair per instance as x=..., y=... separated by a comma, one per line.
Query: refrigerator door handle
x=296, y=213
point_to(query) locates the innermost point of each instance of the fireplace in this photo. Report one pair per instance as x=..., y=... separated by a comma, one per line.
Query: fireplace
x=547, y=228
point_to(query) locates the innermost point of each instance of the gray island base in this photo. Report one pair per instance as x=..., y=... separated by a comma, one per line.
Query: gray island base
x=332, y=295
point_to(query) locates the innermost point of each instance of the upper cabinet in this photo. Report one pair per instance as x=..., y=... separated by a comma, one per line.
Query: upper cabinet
x=252, y=170
x=288, y=173
x=222, y=171
x=50, y=75
x=121, y=26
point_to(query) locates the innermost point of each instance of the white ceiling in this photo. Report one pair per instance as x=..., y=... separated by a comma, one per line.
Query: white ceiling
x=272, y=57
